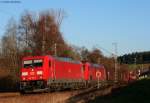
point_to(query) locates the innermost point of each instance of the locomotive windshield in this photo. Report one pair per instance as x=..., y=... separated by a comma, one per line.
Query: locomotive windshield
x=33, y=63
x=27, y=63
x=37, y=63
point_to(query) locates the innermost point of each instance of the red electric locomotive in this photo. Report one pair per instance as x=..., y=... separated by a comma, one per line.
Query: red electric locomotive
x=56, y=73
x=94, y=73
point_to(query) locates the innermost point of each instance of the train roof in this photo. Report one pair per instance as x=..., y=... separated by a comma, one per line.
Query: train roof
x=97, y=65
x=64, y=59
x=67, y=60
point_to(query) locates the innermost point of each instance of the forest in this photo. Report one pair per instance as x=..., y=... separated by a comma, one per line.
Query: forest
x=135, y=58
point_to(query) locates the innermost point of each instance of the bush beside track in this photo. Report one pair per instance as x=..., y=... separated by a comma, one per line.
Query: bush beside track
x=137, y=92
x=9, y=84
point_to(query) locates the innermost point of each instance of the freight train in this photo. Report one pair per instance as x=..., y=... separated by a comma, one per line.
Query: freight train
x=46, y=73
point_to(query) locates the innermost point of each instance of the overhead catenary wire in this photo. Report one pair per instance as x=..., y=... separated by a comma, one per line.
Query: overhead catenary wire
x=115, y=58
x=107, y=51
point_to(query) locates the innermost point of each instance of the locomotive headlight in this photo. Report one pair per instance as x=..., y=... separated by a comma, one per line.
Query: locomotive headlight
x=24, y=73
x=39, y=72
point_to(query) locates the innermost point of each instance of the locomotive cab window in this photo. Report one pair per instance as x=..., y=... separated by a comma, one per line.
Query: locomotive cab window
x=38, y=63
x=27, y=63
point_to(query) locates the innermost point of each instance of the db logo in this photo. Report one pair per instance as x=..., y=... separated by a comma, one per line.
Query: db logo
x=98, y=74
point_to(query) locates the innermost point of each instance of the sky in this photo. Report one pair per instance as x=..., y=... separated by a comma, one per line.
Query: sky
x=93, y=23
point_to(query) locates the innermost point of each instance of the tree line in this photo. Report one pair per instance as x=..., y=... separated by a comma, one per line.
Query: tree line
x=135, y=58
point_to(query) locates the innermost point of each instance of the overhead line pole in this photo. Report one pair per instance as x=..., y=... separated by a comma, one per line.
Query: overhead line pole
x=116, y=63
x=115, y=57
x=55, y=49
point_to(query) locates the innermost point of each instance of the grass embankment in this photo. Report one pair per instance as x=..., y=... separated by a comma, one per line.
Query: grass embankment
x=138, y=92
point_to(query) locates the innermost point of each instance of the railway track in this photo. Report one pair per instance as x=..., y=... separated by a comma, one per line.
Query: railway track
x=74, y=96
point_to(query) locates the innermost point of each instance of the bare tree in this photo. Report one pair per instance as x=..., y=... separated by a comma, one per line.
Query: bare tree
x=41, y=31
x=26, y=30
x=95, y=56
x=9, y=47
x=84, y=53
